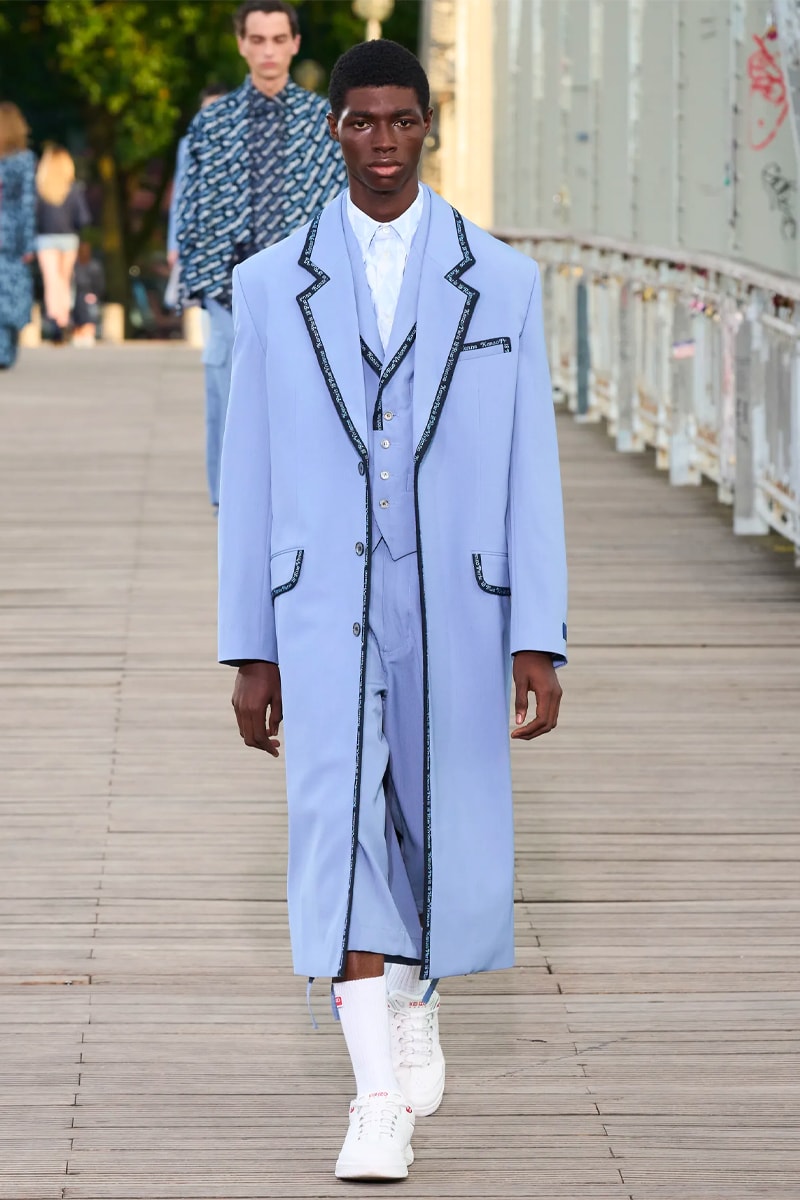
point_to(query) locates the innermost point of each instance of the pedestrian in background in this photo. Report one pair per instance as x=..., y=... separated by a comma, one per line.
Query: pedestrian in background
x=17, y=229
x=208, y=95
x=61, y=214
x=90, y=286
x=259, y=163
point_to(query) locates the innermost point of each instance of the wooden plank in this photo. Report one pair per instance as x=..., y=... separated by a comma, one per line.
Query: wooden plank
x=157, y=1045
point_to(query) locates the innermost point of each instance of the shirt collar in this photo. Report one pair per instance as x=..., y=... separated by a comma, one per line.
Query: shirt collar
x=405, y=226
x=254, y=95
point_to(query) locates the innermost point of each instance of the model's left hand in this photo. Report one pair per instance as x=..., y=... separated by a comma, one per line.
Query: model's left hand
x=534, y=672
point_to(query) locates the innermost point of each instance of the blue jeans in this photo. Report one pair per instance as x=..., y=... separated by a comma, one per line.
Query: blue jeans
x=217, y=362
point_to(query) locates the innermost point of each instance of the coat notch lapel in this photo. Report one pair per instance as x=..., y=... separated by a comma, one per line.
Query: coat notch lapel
x=446, y=305
x=328, y=306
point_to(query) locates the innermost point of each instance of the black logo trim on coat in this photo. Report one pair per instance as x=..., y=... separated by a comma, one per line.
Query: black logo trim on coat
x=487, y=343
x=391, y=369
x=453, y=276
x=304, y=298
x=290, y=583
x=492, y=588
x=472, y=294
x=371, y=358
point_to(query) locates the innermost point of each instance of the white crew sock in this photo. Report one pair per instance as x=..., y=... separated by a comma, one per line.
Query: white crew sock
x=400, y=977
x=363, y=1012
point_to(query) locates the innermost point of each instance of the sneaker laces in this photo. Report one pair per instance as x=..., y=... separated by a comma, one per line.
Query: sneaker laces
x=375, y=1121
x=414, y=1030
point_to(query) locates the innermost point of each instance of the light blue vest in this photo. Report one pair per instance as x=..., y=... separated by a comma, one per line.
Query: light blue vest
x=388, y=381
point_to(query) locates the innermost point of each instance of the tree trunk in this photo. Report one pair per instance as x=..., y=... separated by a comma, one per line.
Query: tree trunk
x=112, y=228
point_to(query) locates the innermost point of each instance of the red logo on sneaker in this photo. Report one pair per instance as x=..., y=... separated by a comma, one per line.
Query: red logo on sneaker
x=409, y=1110
x=338, y=1001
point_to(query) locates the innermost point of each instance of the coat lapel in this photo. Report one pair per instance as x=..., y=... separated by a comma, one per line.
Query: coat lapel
x=445, y=308
x=328, y=306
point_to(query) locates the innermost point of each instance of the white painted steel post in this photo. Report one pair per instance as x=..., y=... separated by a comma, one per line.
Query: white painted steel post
x=749, y=425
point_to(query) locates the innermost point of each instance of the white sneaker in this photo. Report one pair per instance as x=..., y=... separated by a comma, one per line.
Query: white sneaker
x=416, y=1054
x=378, y=1142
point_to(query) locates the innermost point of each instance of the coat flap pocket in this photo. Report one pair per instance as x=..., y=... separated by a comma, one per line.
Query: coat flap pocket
x=491, y=573
x=498, y=345
x=285, y=570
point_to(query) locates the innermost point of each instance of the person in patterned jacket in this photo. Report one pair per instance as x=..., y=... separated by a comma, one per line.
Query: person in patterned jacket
x=259, y=163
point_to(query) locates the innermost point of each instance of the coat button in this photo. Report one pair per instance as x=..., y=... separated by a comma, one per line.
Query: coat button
x=361, y=468
x=387, y=416
x=385, y=443
x=359, y=547
x=384, y=503
x=357, y=629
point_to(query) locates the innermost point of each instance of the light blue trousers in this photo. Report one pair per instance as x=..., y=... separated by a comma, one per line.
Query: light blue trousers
x=217, y=354
x=390, y=860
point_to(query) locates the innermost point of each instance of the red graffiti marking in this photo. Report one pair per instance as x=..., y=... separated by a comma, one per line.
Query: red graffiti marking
x=769, y=101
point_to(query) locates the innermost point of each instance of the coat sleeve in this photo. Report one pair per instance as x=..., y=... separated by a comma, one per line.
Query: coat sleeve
x=188, y=187
x=177, y=185
x=537, y=553
x=246, y=615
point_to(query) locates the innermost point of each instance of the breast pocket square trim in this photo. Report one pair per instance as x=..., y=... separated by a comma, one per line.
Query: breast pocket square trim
x=498, y=345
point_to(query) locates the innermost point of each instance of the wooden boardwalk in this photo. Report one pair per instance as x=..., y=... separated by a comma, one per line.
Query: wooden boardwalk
x=155, y=1045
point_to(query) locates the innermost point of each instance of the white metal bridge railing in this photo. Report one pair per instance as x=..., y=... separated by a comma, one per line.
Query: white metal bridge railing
x=693, y=355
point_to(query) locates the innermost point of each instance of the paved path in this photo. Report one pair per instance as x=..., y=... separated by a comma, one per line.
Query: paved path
x=154, y=1042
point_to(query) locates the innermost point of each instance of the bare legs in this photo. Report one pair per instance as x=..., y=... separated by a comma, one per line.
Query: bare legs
x=360, y=964
x=57, y=267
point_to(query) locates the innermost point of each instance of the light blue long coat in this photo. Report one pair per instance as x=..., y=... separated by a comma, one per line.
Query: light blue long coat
x=294, y=589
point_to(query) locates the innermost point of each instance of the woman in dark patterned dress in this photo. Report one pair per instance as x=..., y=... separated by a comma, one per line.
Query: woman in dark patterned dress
x=17, y=229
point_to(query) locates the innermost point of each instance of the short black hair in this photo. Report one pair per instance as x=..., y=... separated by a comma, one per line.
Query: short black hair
x=265, y=6
x=212, y=90
x=380, y=63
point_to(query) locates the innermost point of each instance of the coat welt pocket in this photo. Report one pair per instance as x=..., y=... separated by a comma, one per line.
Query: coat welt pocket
x=491, y=573
x=498, y=345
x=285, y=570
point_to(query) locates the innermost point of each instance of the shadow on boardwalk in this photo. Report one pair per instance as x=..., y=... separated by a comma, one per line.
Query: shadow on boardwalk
x=155, y=1043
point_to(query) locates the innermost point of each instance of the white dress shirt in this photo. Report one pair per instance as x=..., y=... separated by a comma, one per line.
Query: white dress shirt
x=385, y=249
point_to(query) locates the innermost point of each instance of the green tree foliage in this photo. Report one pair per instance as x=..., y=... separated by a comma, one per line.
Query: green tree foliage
x=137, y=68
x=122, y=78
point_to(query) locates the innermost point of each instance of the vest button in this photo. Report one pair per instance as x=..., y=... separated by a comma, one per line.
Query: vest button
x=359, y=548
x=357, y=629
x=361, y=468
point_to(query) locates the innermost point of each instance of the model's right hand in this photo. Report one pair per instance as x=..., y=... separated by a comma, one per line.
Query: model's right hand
x=258, y=688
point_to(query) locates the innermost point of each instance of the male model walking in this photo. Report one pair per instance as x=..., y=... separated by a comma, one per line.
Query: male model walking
x=391, y=542
x=257, y=164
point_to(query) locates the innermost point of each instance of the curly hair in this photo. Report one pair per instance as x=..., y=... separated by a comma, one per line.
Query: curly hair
x=379, y=63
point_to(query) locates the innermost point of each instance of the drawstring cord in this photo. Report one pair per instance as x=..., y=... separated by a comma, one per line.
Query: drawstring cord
x=314, y=1024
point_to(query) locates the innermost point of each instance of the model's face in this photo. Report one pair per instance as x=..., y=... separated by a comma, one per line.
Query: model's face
x=268, y=46
x=381, y=132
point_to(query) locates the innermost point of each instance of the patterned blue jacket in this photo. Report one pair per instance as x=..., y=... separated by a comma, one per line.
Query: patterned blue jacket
x=215, y=208
x=17, y=230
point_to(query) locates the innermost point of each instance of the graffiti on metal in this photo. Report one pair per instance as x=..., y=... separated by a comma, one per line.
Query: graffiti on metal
x=769, y=98
x=780, y=191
